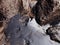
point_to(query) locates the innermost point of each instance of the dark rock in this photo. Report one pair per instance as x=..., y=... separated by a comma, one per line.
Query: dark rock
x=45, y=13
x=42, y=9
x=54, y=33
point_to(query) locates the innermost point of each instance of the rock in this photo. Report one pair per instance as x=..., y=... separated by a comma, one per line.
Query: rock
x=54, y=33
x=46, y=12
